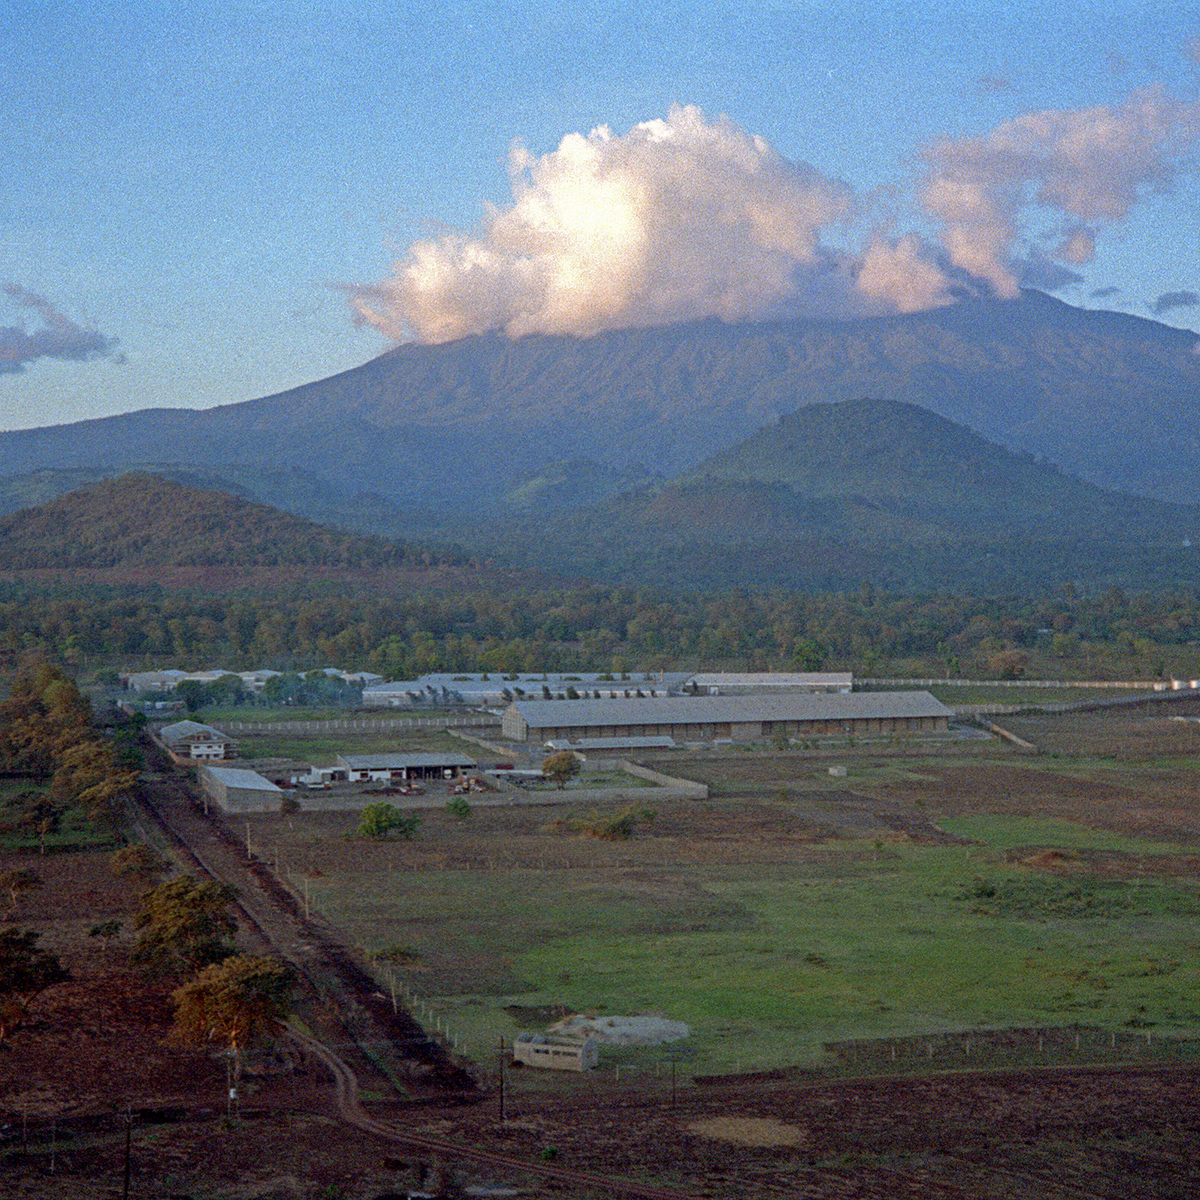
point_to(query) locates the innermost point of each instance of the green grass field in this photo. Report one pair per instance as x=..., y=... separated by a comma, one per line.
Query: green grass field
x=325, y=746
x=1071, y=901
x=767, y=963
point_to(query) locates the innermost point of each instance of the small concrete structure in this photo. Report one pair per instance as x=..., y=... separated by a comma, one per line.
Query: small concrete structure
x=538, y=1050
x=239, y=790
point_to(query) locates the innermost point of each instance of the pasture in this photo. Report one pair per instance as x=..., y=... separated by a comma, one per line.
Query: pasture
x=966, y=887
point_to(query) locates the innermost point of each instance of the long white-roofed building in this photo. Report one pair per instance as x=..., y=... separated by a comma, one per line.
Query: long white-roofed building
x=730, y=683
x=740, y=718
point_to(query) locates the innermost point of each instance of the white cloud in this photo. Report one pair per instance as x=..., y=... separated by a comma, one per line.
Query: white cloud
x=679, y=218
x=1089, y=165
x=688, y=217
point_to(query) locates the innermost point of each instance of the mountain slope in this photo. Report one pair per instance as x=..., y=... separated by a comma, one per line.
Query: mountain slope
x=871, y=490
x=924, y=470
x=1111, y=398
x=145, y=521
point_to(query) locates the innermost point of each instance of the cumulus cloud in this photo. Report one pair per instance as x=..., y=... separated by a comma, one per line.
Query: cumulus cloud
x=60, y=337
x=1170, y=300
x=679, y=218
x=1088, y=166
x=688, y=217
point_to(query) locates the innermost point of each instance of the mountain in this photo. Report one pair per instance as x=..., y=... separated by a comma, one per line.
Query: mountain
x=292, y=490
x=917, y=471
x=167, y=530
x=877, y=490
x=1113, y=399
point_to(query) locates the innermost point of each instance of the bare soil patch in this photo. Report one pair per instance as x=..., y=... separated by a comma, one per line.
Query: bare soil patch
x=750, y=1131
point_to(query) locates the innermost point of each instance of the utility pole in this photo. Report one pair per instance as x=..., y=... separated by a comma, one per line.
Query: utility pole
x=128, y=1138
x=501, y=1064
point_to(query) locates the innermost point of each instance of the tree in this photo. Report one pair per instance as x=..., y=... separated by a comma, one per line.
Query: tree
x=809, y=654
x=140, y=860
x=89, y=775
x=561, y=767
x=240, y=1001
x=35, y=810
x=185, y=925
x=17, y=883
x=381, y=820
x=25, y=972
x=1008, y=664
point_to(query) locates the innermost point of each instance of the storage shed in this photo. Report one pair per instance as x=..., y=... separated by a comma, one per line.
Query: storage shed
x=538, y=1050
x=403, y=767
x=239, y=790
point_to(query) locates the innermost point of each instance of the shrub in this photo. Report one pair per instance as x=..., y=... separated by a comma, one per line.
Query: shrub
x=610, y=827
x=382, y=820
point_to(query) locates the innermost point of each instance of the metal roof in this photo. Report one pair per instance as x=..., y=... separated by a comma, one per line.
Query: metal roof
x=182, y=730
x=241, y=777
x=396, y=762
x=781, y=679
x=706, y=710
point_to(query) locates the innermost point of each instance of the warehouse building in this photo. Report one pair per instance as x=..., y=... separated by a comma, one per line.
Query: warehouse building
x=740, y=718
x=740, y=683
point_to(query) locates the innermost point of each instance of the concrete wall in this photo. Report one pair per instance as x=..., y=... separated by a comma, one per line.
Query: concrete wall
x=681, y=789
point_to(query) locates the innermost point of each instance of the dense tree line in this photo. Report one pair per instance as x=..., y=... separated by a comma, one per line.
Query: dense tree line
x=593, y=628
x=47, y=732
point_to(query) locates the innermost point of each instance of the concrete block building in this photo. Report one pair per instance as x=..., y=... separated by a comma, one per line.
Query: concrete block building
x=239, y=790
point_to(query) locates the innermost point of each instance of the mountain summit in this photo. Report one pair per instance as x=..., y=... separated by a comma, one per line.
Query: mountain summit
x=1114, y=399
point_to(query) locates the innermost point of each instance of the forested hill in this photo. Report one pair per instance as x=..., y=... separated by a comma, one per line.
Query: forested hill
x=919, y=471
x=145, y=521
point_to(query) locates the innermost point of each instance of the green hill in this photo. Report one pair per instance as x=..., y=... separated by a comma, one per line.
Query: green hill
x=897, y=470
x=867, y=490
x=145, y=521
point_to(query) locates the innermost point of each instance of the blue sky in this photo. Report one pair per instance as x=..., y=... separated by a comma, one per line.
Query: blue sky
x=207, y=202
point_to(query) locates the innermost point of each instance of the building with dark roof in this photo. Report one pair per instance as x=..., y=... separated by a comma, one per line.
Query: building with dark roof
x=740, y=718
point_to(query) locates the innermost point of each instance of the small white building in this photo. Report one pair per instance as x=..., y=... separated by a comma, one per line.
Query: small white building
x=404, y=767
x=191, y=740
x=555, y=1054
